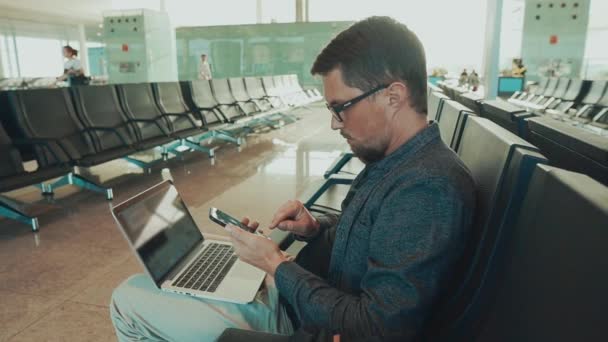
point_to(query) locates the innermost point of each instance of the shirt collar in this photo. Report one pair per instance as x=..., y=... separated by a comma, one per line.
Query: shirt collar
x=409, y=148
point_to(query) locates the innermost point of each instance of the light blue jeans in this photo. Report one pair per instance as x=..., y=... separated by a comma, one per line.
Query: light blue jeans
x=142, y=312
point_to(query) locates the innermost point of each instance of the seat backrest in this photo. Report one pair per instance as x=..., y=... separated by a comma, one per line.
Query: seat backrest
x=595, y=92
x=269, y=87
x=99, y=106
x=604, y=100
x=221, y=90
x=255, y=88
x=451, y=119
x=501, y=164
x=171, y=101
x=551, y=86
x=574, y=89
x=10, y=159
x=551, y=284
x=561, y=88
x=288, y=84
x=542, y=85
x=295, y=82
x=138, y=103
x=279, y=85
x=434, y=103
x=50, y=114
x=237, y=86
x=198, y=93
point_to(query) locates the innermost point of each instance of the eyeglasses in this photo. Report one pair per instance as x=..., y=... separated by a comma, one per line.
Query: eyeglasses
x=337, y=109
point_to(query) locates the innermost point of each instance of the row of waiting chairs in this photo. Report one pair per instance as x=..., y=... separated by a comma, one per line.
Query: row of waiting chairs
x=528, y=247
x=65, y=128
x=570, y=130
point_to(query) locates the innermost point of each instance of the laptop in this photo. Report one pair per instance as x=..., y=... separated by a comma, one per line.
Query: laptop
x=166, y=240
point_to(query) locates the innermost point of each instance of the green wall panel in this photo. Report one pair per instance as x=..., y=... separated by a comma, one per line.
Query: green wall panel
x=254, y=50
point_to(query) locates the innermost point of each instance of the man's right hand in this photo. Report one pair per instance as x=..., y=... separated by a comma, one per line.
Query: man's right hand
x=294, y=217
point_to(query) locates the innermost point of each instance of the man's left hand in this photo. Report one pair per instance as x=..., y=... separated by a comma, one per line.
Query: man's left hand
x=256, y=250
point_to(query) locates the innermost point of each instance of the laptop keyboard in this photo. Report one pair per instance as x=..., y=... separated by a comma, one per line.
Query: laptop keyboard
x=209, y=269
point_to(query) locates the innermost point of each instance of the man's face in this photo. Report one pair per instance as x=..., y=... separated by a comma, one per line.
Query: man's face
x=364, y=125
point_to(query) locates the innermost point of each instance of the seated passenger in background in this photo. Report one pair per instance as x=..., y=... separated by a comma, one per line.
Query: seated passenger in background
x=377, y=271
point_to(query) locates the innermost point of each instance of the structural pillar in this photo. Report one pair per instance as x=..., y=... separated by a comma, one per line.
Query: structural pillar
x=492, y=47
x=300, y=11
x=258, y=11
x=84, y=52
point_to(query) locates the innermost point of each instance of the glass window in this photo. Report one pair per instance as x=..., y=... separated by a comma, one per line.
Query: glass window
x=39, y=57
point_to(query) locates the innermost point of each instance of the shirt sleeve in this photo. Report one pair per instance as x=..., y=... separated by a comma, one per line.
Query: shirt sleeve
x=326, y=222
x=417, y=236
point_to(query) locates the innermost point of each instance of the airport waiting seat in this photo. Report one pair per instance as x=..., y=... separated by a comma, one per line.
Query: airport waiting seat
x=577, y=89
x=200, y=96
x=472, y=101
x=451, y=120
x=183, y=122
x=547, y=93
x=99, y=106
x=501, y=165
x=507, y=115
x=282, y=91
x=231, y=108
x=139, y=105
x=547, y=280
x=13, y=176
x=518, y=98
x=294, y=90
x=255, y=89
x=561, y=87
x=237, y=87
x=434, y=103
x=306, y=96
x=600, y=120
x=36, y=113
x=272, y=93
x=589, y=104
x=570, y=147
x=588, y=115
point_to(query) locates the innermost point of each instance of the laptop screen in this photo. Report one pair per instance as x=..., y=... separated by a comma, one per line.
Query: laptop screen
x=159, y=227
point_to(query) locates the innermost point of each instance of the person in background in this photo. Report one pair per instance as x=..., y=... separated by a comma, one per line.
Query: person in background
x=473, y=80
x=519, y=70
x=464, y=78
x=73, y=72
x=204, y=69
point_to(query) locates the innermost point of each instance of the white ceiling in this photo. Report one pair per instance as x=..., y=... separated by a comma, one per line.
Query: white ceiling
x=55, y=11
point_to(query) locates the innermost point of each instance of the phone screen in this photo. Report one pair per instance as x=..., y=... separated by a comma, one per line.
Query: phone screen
x=223, y=219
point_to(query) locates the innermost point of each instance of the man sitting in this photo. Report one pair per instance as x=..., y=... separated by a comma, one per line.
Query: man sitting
x=377, y=271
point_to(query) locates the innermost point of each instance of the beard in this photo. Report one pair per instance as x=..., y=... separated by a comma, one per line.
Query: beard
x=370, y=152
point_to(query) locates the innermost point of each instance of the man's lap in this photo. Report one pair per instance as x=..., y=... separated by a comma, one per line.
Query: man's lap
x=140, y=309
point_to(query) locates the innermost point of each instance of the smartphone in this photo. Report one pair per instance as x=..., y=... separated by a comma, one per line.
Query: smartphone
x=223, y=219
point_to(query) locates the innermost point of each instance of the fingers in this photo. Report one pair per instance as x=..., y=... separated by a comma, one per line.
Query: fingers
x=288, y=210
x=253, y=225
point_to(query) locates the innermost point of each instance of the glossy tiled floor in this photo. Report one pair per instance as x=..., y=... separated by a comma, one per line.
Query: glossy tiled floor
x=55, y=285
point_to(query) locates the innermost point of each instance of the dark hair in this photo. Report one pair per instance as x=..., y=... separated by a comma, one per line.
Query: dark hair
x=376, y=51
x=72, y=51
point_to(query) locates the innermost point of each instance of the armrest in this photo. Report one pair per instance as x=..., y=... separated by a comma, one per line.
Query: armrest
x=154, y=121
x=182, y=115
x=239, y=335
